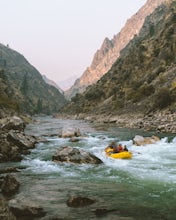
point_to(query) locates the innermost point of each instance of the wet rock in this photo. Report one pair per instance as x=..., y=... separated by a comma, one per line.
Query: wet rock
x=103, y=211
x=140, y=140
x=13, y=141
x=74, y=139
x=9, y=185
x=13, y=144
x=57, y=218
x=5, y=213
x=21, y=140
x=22, y=209
x=9, y=152
x=9, y=170
x=75, y=155
x=77, y=202
x=69, y=132
x=13, y=123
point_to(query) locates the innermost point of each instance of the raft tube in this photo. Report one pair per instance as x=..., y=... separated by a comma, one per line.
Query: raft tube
x=121, y=155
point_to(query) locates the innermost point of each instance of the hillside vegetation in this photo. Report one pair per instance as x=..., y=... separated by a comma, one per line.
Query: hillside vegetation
x=109, y=51
x=22, y=87
x=143, y=79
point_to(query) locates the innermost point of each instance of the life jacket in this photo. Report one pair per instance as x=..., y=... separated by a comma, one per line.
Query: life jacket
x=120, y=148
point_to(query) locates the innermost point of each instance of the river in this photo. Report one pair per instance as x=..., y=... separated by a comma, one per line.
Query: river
x=142, y=188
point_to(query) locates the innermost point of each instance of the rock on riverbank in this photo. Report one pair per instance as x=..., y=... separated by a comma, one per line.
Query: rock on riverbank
x=13, y=141
x=160, y=121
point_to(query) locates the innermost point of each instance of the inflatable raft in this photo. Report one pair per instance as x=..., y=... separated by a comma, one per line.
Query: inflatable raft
x=121, y=155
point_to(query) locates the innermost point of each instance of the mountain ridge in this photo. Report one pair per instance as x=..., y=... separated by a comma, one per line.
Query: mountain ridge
x=23, y=88
x=52, y=83
x=140, y=88
x=110, y=49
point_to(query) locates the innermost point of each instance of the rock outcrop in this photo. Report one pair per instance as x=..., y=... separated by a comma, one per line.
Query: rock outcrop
x=79, y=201
x=74, y=155
x=140, y=140
x=106, y=56
x=5, y=213
x=69, y=132
x=8, y=185
x=9, y=170
x=12, y=123
x=24, y=209
x=13, y=141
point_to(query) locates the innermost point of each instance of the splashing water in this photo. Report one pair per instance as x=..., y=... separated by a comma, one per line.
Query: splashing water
x=145, y=183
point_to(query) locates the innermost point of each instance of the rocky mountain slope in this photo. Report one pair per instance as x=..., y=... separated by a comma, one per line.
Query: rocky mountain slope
x=110, y=49
x=22, y=88
x=143, y=79
x=52, y=83
x=67, y=83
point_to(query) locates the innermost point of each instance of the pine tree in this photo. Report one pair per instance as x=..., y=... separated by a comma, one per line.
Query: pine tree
x=39, y=106
x=24, y=85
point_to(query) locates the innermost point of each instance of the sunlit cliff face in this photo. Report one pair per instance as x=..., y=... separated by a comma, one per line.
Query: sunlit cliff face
x=105, y=57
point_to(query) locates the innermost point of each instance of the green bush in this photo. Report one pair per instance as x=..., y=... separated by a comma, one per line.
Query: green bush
x=94, y=95
x=146, y=89
x=162, y=98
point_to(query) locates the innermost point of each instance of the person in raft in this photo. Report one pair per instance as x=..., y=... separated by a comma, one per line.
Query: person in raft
x=125, y=148
x=112, y=145
x=118, y=149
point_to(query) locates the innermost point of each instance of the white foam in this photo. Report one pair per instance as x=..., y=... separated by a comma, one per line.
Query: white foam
x=174, y=140
x=154, y=161
x=39, y=166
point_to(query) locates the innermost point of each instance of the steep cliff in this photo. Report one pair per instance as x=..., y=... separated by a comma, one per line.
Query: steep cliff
x=22, y=87
x=143, y=78
x=110, y=49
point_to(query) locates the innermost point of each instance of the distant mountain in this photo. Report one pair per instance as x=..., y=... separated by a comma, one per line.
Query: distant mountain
x=67, y=83
x=143, y=78
x=52, y=83
x=22, y=87
x=105, y=57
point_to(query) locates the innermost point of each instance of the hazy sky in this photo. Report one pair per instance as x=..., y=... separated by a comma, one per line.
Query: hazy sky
x=60, y=37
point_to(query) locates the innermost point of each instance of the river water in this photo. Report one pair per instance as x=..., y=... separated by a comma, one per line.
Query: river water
x=142, y=188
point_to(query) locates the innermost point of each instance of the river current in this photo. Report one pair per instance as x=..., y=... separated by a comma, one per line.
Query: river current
x=142, y=188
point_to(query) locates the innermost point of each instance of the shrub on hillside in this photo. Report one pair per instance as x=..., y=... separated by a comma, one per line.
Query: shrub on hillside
x=94, y=95
x=146, y=89
x=163, y=98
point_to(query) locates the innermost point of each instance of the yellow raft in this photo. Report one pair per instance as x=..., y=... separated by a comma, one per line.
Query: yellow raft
x=121, y=155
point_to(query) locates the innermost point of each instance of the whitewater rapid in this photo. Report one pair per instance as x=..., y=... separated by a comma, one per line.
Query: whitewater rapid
x=142, y=187
x=150, y=162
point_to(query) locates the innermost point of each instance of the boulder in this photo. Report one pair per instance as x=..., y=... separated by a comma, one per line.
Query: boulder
x=5, y=213
x=21, y=140
x=9, y=185
x=22, y=209
x=101, y=212
x=75, y=155
x=9, y=152
x=13, y=123
x=79, y=201
x=9, y=170
x=74, y=139
x=69, y=132
x=140, y=140
x=13, y=141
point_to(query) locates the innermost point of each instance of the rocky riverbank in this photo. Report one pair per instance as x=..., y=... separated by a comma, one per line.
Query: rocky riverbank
x=160, y=121
x=13, y=141
x=14, y=144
